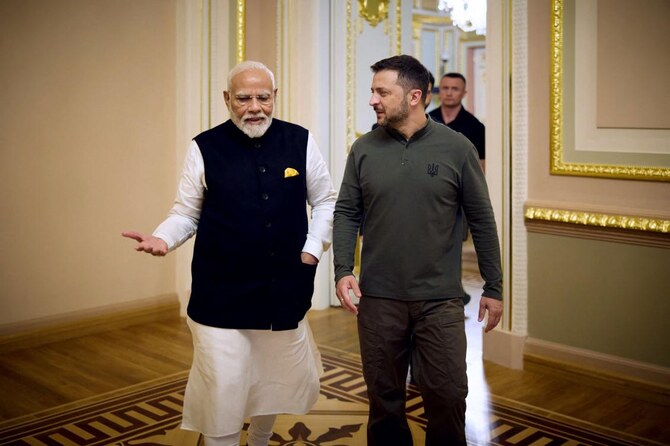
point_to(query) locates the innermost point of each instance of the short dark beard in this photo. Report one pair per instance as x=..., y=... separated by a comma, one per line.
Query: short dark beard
x=403, y=113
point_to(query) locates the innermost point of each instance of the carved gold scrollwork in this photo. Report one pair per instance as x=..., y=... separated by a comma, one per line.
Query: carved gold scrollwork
x=240, y=53
x=599, y=219
x=374, y=11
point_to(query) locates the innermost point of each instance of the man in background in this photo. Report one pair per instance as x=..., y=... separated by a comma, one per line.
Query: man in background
x=429, y=92
x=452, y=113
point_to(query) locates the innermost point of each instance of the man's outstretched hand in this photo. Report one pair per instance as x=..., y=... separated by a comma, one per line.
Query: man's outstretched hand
x=147, y=243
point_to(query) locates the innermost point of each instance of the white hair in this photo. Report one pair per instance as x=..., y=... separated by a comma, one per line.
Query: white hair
x=248, y=65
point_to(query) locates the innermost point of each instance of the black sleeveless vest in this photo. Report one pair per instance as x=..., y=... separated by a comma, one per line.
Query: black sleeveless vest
x=246, y=267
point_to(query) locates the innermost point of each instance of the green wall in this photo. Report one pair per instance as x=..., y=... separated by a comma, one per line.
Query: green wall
x=602, y=296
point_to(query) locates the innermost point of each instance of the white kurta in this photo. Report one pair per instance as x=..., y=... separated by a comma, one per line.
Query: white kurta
x=241, y=373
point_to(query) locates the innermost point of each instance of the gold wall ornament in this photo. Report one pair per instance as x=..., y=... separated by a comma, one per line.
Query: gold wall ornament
x=398, y=26
x=374, y=11
x=558, y=166
x=612, y=221
x=241, y=30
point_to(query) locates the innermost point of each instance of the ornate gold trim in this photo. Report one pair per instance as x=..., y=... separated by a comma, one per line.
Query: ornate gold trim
x=471, y=36
x=241, y=30
x=398, y=26
x=557, y=165
x=432, y=19
x=601, y=220
x=373, y=16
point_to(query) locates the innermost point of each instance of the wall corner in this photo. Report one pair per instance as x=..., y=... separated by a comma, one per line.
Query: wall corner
x=504, y=348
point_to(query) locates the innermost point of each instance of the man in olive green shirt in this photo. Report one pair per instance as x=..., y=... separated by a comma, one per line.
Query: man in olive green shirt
x=409, y=177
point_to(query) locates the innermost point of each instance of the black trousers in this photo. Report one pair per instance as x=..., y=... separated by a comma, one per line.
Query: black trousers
x=431, y=336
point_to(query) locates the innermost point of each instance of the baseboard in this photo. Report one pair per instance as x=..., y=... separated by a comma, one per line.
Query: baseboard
x=504, y=348
x=634, y=378
x=43, y=331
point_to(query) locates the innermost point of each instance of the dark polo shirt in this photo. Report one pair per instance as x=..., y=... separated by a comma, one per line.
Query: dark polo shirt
x=411, y=193
x=467, y=124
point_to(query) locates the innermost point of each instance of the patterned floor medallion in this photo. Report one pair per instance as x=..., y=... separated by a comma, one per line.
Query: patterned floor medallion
x=150, y=414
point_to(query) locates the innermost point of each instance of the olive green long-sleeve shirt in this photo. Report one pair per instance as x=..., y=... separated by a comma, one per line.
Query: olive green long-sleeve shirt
x=412, y=194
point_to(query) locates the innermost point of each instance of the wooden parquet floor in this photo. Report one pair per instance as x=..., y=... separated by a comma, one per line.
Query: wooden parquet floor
x=65, y=374
x=47, y=377
x=150, y=414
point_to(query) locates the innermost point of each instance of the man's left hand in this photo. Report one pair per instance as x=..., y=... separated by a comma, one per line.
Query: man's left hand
x=494, y=307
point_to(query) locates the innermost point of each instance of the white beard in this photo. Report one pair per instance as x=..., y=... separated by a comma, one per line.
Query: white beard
x=252, y=131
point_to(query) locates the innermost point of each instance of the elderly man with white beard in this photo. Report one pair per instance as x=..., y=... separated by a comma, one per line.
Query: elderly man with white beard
x=243, y=190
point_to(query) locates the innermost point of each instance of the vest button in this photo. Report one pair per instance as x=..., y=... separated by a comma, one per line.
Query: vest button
x=268, y=224
x=265, y=196
x=261, y=169
x=257, y=145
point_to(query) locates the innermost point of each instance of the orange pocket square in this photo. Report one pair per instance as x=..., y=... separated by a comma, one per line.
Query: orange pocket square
x=290, y=172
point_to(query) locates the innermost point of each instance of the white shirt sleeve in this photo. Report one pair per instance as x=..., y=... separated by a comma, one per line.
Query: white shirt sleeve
x=182, y=220
x=321, y=196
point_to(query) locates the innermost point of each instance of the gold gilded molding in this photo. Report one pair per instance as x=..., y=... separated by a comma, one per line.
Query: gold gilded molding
x=241, y=30
x=398, y=26
x=440, y=20
x=645, y=224
x=557, y=164
x=374, y=11
x=471, y=36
